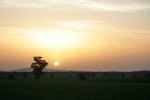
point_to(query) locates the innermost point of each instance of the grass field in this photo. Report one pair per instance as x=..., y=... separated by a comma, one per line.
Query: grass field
x=64, y=87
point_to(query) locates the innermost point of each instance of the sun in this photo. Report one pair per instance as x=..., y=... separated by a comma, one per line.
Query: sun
x=56, y=63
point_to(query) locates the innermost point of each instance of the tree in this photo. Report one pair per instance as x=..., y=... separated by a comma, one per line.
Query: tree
x=38, y=66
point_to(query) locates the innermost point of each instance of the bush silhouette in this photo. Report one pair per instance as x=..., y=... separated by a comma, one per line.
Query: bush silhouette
x=104, y=74
x=122, y=75
x=93, y=74
x=147, y=75
x=38, y=66
x=82, y=76
x=52, y=74
x=134, y=76
x=11, y=77
x=24, y=75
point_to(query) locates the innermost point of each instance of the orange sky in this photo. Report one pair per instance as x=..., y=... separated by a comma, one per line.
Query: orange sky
x=95, y=35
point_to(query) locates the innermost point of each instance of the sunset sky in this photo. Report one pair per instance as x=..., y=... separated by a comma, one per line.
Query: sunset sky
x=93, y=35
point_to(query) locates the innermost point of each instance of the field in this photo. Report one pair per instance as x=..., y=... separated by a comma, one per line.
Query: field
x=67, y=86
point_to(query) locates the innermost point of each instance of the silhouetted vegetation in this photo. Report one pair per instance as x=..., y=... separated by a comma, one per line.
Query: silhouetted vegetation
x=104, y=74
x=38, y=67
x=147, y=75
x=122, y=75
x=134, y=76
x=24, y=75
x=82, y=76
x=11, y=77
x=52, y=74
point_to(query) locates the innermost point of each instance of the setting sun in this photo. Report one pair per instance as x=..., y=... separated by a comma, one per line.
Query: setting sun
x=56, y=63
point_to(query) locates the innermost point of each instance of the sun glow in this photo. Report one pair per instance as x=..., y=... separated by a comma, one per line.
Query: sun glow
x=56, y=39
x=60, y=41
x=56, y=63
x=79, y=25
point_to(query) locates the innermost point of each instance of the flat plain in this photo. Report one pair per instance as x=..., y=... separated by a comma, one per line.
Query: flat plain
x=67, y=86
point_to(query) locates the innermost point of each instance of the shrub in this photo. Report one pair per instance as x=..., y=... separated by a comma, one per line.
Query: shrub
x=93, y=74
x=82, y=76
x=122, y=75
x=11, y=77
x=52, y=74
x=147, y=75
x=133, y=76
x=24, y=75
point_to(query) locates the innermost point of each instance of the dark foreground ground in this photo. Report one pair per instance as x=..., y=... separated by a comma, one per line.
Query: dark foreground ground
x=68, y=87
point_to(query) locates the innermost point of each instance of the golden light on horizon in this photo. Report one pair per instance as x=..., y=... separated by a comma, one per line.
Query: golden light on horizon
x=56, y=63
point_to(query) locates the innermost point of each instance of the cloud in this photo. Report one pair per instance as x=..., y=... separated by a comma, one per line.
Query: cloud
x=108, y=5
x=20, y=4
x=117, y=5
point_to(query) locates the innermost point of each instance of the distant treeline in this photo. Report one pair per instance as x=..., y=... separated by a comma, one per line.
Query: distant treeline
x=79, y=75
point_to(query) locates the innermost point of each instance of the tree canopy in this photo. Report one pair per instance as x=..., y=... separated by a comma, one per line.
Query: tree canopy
x=38, y=66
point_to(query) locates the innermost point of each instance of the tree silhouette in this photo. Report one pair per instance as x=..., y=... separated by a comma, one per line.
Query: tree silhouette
x=38, y=66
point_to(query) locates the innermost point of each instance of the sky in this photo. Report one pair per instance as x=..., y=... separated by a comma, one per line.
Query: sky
x=89, y=35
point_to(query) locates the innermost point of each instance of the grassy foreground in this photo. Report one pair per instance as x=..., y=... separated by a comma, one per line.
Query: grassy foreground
x=56, y=89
